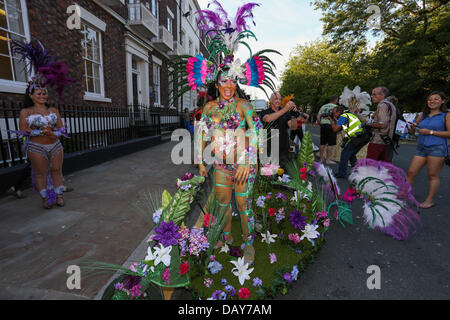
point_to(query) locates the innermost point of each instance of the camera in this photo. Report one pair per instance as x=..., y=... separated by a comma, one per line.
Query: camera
x=327, y=114
x=386, y=139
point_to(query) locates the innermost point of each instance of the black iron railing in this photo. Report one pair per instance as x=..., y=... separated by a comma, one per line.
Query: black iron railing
x=90, y=127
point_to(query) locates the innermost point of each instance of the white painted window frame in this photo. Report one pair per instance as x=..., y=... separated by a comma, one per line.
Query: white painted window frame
x=100, y=27
x=19, y=87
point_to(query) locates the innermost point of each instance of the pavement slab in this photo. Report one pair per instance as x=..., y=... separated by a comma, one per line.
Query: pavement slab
x=98, y=224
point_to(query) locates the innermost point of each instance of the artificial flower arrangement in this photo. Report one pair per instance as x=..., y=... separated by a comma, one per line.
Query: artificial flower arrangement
x=291, y=207
x=291, y=210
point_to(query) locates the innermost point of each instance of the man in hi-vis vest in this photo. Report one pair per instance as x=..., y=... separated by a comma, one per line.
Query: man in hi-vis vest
x=353, y=128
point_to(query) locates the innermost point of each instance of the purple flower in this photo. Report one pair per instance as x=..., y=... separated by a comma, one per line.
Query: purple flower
x=131, y=281
x=297, y=220
x=228, y=59
x=273, y=258
x=288, y=277
x=118, y=286
x=235, y=252
x=187, y=176
x=280, y=195
x=217, y=294
x=167, y=234
x=230, y=290
x=224, y=282
x=257, y=282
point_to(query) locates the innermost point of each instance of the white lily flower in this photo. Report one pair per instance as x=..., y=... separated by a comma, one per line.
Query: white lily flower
x=150, y=256
x=241, y=270
x=236, y=70
x=310, y=232
x=268, y=238
x=163, y=255
x=224, y=249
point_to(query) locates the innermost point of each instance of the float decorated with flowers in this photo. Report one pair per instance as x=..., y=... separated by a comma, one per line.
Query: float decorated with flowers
x=294, y=208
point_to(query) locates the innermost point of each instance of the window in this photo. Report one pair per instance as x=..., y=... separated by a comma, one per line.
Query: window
x=155, y=8
x=92, y=59
x=13, y=26
x=170, y=20
x=157, y=83
x=170, y=24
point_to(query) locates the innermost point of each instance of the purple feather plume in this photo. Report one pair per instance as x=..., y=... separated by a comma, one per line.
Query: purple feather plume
x=56, y=76
x=243, y=13
x=221, y=11
x=210, y=20
x=406, y=221
x=34, y=53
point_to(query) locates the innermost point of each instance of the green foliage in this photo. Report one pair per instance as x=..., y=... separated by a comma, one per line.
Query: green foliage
x=180, y=203
x=306, y=152
x=411, y=57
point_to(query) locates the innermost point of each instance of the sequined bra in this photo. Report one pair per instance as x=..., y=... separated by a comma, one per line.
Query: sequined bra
x=38, y=121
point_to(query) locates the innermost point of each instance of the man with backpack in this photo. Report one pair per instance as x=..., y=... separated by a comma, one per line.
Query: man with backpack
x=383, y=126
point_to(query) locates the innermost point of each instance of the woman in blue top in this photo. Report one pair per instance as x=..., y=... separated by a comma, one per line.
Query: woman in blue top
x=434, y=130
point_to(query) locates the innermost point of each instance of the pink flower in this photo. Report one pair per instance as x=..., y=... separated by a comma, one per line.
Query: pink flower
x=133, y=266
x=136, y=291
x=322, y=214
x=166, y=275
x=326, y=222
x=207, y=282
x=294, y=237
x=350, y=195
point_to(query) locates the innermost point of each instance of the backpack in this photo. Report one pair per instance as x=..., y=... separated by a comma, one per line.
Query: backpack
x=398, y=116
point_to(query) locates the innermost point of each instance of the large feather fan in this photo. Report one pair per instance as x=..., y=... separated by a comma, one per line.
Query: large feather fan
x=389, y=203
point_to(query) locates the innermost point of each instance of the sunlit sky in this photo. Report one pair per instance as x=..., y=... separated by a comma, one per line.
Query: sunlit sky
x=280, y=25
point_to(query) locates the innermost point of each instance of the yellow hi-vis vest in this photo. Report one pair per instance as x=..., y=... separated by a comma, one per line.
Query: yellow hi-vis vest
x=353, y=127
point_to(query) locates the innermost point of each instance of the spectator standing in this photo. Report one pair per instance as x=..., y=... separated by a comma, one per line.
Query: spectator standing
x=327, y=135
x=432, y=147
x=383, y=125
x=278, y=118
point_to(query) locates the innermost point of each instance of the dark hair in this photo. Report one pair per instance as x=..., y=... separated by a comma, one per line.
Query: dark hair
x=333, y=98
x=443, y=108
x=27, y=101
x=341, y=109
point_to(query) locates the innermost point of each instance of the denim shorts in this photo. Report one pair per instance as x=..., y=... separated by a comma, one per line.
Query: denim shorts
x=432, y=151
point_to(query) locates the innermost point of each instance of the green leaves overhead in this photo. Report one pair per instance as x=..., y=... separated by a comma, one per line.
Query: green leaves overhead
x=410, y=56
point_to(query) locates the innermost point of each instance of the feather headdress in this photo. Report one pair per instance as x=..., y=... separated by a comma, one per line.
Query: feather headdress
x=47, y=72
x=227, y=34
x=355, y=99
x=389, y=202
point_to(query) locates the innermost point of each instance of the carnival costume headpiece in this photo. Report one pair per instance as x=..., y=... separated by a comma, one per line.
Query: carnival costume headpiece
x=47, y=71
x=227, y=35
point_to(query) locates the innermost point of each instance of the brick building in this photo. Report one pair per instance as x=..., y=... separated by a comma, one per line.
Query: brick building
x=118, y=51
